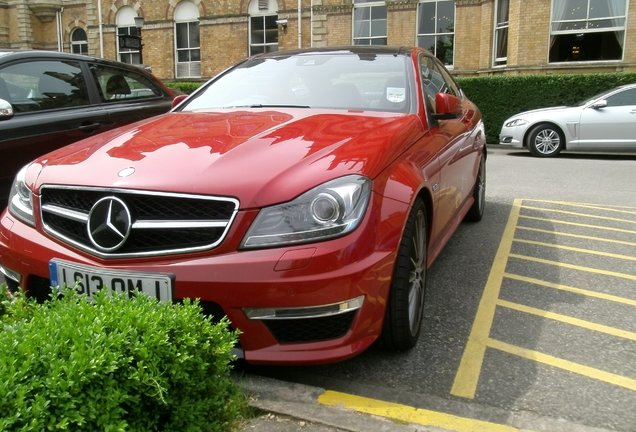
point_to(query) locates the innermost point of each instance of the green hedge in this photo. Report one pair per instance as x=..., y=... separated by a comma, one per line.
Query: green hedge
x=116, y=364
x=184, y=87
x=500, y=97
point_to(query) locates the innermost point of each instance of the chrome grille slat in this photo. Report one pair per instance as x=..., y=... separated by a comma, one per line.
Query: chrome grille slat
x=162, y=223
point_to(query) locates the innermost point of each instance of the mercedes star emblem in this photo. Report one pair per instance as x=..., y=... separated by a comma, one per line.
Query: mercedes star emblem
x=109, y=224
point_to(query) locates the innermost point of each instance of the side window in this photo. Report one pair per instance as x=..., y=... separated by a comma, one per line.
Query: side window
x=44, y=85
x=119, y=84
x=624, y=98
x=435, y=79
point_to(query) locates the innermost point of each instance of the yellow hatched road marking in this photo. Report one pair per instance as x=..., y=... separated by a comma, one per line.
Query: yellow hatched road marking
x=567, y=365
x=579, y=236
x=587, y=215
x=408, y=414
x=575, y=249
x=574, y=267
x=465, y=383
x=571, y=289
x=581, y=225
x=609, y=208
x=568, y=320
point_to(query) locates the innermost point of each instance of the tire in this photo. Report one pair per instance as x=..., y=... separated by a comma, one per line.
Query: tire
x=405, y=306
x=476, y=211
x=545, y=140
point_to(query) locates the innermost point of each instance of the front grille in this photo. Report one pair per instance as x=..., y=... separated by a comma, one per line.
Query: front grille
x=156, y=223
x=310, y=329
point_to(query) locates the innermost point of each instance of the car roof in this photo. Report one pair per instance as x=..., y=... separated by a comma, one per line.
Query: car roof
x=353, y=49
x=8, y=54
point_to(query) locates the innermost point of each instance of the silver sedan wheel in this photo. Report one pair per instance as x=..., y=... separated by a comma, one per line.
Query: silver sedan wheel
x=545, y=141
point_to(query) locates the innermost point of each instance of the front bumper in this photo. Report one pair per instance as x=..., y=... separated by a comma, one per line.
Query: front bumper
x=512, y=136
x=313, y=303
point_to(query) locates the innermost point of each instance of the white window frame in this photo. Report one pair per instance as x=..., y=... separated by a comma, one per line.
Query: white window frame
x=436, y=34
x=370, y=4
x=81, y=44
x=499, y=29
x=262, y=9
x=186, y=13
x=587, y=30
x=126, y=21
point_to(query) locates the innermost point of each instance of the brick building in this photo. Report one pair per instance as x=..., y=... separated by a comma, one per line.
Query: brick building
x=195, y=39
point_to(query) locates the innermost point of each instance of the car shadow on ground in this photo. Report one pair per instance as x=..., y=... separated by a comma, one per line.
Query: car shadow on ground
x=578, y=156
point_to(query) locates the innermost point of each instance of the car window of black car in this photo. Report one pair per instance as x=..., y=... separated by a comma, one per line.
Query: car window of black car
x=116, y=85
x=44, y=85
x=623, y=98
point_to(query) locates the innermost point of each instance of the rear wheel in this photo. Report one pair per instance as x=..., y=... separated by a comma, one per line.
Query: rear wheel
x=545, y=140
x=405, y=307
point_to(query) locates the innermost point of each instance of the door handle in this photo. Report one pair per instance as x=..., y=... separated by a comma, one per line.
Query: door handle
x=89, y=127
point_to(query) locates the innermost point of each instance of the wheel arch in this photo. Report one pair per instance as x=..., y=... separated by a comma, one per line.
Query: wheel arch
x=526, y=135
x=416, y=183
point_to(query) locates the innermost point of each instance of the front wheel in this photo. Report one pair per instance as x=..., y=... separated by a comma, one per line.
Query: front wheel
x=405, y=306
x=545, y=140
x=476, y=211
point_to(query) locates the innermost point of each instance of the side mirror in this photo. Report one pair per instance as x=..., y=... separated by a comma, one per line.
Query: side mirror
x=599, y=104
x=178, y=99
x=6, y=110
x=447, y=106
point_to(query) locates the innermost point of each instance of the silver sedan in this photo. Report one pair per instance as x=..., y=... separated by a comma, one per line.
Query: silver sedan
x=606, y=123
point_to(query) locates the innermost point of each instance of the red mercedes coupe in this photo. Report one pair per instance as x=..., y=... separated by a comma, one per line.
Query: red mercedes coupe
x=303, y=194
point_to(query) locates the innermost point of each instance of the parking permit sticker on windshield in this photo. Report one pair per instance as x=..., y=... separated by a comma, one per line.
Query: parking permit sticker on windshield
x=395, y=94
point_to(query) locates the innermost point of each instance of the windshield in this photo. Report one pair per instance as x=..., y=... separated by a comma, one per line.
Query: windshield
x=317, y=80
x=590, y=99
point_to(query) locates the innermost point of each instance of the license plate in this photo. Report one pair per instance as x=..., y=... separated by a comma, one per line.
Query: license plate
x=89, y=280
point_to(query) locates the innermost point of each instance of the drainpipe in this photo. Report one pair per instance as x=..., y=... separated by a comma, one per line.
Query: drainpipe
x=101, y=31
x=311, y=23
x=58, y=25
x=300, y=24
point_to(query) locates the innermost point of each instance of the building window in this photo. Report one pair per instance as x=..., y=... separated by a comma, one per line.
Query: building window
x=436, y=28
x=187, y=45
x=501, y=32
x=263, y=26
x=587, y=30
x=369, y=22
x=126, y=27
x=79, y=41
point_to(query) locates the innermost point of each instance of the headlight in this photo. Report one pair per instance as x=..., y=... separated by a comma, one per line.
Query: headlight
x=330, y=210
x=516, y=122
x=21, y=199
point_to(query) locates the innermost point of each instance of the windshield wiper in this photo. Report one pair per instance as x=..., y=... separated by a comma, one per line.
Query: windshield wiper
x=268, y=106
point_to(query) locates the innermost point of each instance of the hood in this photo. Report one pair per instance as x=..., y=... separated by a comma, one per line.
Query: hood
x=543, y=112
x=260, y=157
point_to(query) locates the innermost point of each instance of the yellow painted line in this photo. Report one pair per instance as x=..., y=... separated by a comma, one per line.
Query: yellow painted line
x=571, y=289
x=586, y=215
x=566, y=365
x=467, y=377
x=578, y=236
x=409, y=414
x=588, y=325
x=581, y=225
x=574, y=267
x=608, y=208
x=575, y=249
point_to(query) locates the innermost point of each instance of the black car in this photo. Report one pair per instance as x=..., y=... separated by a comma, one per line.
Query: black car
x=49, y=99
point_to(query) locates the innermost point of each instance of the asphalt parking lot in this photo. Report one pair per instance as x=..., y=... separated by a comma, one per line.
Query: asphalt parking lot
x=559, y=300
x=530, y=321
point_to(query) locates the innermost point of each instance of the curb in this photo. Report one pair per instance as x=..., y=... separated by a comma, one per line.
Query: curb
x=300, y=402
